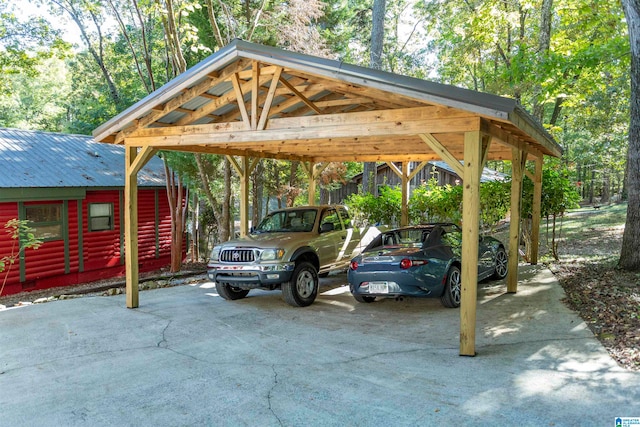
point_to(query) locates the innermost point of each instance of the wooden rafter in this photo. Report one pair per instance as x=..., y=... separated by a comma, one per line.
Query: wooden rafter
x=445, y=154
x=199, y=89
x=269, y=99
x=299, y=94
x=240, y=98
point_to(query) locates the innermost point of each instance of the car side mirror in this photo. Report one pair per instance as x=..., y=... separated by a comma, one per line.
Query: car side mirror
x=327, y=226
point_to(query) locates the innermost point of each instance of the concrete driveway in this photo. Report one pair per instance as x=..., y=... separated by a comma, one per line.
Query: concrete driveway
x=186, y=357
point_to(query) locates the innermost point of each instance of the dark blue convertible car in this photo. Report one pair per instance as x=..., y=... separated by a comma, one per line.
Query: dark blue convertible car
x=420, y=261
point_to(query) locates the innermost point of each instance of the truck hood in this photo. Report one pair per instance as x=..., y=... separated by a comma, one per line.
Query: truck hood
x=270, y=240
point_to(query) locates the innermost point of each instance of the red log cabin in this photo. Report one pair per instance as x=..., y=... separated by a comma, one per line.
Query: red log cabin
x=71, y=190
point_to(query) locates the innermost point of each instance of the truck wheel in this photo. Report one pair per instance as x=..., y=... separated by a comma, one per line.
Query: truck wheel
x=302, y=289
x=228, y=292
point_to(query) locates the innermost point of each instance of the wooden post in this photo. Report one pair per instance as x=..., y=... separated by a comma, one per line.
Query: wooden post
x=244, y=169
x=244, y=197
x=518, y=161
x=131, y=227
x=470, y=236
x=536, y=211
x=311, y=173
x=404, y=210
x=134, y=161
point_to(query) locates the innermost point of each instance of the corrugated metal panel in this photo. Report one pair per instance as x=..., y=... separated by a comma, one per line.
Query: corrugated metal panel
x=32, y=159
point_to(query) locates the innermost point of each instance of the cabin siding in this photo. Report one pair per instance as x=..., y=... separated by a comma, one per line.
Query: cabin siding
x=82, y=255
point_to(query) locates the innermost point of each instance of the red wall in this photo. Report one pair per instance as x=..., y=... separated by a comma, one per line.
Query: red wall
x=101, y=250
x=12, y=273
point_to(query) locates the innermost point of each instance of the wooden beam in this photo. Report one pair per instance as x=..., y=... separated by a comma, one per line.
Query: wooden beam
x=517, y=172
x=209, y=107
x=303, y=98
x=131, y=227
x=311, y=173
x=395, y=169
x=417, y=169
x=470, y=236
x=444, y=153
x=198, y=90
x=404, y=207
x=508, y=138
x=255, y=94
x=344, y=125
x=244, y=170
x=536, y=210
x=141, y=159
x=241, y=105
x=269, y=100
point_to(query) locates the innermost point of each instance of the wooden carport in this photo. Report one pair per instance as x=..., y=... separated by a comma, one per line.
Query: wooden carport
x=249, y=101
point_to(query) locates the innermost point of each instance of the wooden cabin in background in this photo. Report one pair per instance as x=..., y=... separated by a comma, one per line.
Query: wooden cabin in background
x=439, y=170
x=71, y=188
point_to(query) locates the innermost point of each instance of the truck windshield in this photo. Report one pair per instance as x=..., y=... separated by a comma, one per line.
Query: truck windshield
x=288, y=221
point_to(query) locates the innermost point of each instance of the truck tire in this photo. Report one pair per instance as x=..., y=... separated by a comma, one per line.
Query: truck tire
x=302, y=289
x=228, y=292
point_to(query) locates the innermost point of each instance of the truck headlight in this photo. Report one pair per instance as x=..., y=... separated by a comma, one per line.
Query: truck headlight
x=272, y=254
x=215, y=253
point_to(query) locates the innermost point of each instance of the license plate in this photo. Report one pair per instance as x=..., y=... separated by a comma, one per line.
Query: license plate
x=378, y=287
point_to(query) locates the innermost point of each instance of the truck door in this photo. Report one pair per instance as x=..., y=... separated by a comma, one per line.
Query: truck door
x=327, y=243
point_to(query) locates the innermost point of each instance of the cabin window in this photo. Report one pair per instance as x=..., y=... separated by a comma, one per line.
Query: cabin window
x=45, y=220
x=100, y=216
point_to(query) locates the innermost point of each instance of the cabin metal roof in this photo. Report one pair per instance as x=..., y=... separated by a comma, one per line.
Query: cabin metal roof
x=34, y=159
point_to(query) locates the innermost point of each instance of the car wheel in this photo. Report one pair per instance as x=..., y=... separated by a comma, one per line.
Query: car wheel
x=502, y=264
x=364, y=298
x=229, y=292
x=302, y=289
x=452, y=288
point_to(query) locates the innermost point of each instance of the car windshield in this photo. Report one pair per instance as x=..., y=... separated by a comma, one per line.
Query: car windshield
x=288, y=221
x=410, y=237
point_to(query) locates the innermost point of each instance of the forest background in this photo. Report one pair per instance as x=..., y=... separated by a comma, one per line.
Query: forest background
x=568, y=62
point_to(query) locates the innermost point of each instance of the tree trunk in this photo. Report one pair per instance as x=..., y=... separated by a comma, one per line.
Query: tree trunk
x=630, y=255
x=369, y=175
x=225, y=218
x=178, y=203
x=544, y=41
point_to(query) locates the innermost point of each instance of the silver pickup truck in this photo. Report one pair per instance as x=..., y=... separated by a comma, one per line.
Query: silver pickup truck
x=288, y=250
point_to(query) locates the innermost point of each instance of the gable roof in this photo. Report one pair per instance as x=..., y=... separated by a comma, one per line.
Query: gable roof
x=33, y=159
x=301, y=107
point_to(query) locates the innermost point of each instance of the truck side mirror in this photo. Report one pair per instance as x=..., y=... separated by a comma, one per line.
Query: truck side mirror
x=327, y=226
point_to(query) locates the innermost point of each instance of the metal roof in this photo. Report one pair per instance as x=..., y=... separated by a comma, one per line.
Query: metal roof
x=33, y=159
x=310, y=96
x=488, y=175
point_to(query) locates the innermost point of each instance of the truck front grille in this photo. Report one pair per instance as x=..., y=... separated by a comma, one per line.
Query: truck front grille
x=237, y=255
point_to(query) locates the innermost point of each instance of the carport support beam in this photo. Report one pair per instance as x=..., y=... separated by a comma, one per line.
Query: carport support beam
x=244, y=169
x=536, y=211
x=131, y=227
x=134, y=161
x=518, y=162
x=470, y=235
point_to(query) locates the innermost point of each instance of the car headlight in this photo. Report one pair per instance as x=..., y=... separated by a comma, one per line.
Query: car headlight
x=272, y=254
x=215, y=253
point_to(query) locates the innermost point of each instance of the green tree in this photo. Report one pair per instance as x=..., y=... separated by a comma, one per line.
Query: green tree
x=23, y=238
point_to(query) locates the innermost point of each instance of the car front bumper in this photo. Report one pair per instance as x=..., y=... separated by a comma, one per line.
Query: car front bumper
x=251, y=276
